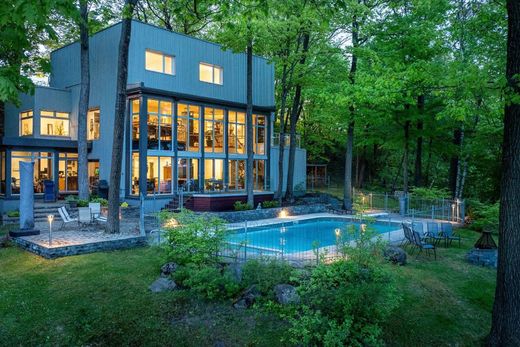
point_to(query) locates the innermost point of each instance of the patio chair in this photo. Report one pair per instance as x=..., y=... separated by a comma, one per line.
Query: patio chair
x=418, y=227
x=447, y=233
x=95, y=209
x=421, y=245
x=408, y=236
x=84, y=217
x=433, y=232
x=65, y=217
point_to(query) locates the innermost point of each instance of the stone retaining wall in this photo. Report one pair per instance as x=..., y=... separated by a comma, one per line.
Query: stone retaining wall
x=65, y=251
x=250, y=215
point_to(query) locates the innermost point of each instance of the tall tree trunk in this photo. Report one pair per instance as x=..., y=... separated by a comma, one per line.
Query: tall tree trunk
x=83, y=102
x=461, y=167
x=454, y=162
x=406, y=155
x=506, y=309
x=119, y=119
x=249, y=125
x=428, y=161
x=281, y=144
x=293, y=120
x=418, y=179
x=348, y=197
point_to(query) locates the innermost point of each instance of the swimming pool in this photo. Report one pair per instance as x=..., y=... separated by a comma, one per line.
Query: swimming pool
x=301, y=236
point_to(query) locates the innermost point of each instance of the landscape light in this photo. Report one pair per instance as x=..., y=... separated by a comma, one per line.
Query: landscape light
x=338, y=232
x=283, y=214
x=50, y=218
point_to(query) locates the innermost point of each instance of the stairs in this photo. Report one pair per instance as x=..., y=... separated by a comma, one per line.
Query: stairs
x=42, y=210
x=173, y=205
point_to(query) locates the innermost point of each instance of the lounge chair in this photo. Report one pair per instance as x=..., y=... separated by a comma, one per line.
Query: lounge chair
x=419, y=228
x=65, y=217
x=408, y=236
x=84, y=216
x=420, y=244
x=447, y=233
x=433, y=233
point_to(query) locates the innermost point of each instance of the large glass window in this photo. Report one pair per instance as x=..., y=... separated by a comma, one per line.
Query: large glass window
x=93, y=173
x=93, y=124
x=188, y=174
x=237, y=174
x=214, y=174
x=236, y=132
x=259, y=174
x=159, y=175
x=26, y=123
x=54, y=123
x=135, y=124
x=210, y=73
x=159, y=124
x=213, y=130
x=68, y=172
x=2, y=173
x=43, y=169
x=188, y=127
x=159, y=62
x=259, y=134
x=135, y=174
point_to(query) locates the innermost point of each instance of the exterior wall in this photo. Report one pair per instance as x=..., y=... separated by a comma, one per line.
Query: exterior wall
x=300, y=175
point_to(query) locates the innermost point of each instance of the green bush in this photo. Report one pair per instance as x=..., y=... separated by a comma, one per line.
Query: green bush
x=345, y=302
x=13, y=214
x=242, y=206
x=265, y=274
x=270, y=204
x=103, y=202
x=483, y=216
x=124, y=204
x=193, y=238
x=70, y=198
x=82, y=203
x=207, y=281
x=430, y=193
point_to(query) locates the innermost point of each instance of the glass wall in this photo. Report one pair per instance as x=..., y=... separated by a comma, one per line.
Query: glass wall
x=259, y=174
x=188, y=127
x=159, y=124
x=259, y=134
x=93, y=173
x=93, y=124
x=188, y=174
x=213, y=130
x=159, y=175
x=43, y=169
x=68, y=172
x=134, y=189
x=26, y=123
x=237, y=175
x=213, y=174
x=236, y=132
x=135, y=124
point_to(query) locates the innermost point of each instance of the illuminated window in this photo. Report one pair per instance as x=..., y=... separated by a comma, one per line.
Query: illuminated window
x=188, y=127
x=93, y=124
x=236, y=132
x=259, y=134
x=159, y=124
x=188, y=174
x=159, y=62
x=213, y=130
x=26, y=123
x=259, y=174
x=54, y=123
x=214, y=174
x=210, y=73
x=43, y=169
x=159, y=175
x=135, y=124
x=237, y=174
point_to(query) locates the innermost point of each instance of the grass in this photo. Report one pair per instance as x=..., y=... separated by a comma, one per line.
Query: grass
x=103, y=299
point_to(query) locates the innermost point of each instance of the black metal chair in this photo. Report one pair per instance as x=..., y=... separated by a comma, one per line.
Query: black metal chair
x=447, y=233
x=421, y=245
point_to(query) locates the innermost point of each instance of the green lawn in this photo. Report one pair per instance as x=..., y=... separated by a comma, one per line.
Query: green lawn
x=103, y=298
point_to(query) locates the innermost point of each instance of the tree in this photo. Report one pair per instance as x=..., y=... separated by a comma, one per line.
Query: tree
x=83, y=100
x=506, y=309
x=119, y=118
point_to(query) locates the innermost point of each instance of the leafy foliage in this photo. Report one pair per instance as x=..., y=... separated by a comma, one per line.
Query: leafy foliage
x=270, y=204
x=265, y=274
x=207, y=281
x=193, y=238
x=484, y=216
x=242, y=206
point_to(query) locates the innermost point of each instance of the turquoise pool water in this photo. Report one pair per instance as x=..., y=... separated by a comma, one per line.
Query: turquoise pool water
x=300, y=236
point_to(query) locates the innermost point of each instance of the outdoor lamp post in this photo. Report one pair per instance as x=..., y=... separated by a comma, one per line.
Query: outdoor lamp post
x=50, y=218
x=338, y=238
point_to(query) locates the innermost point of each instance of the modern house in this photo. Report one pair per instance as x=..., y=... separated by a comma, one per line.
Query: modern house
x=185, y=129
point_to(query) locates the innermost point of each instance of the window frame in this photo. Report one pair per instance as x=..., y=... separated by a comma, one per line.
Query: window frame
x=55, y=117
x=159, y=115
x=163, y=59
x=213, y=68
x=22, y=118
x=92, y=110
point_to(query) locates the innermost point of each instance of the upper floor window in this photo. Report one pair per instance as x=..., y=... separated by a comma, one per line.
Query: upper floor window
x=210, y=73
x=236, y=132
x=54, y=123
x=93, y=124
x=159, y=124
x=259, y=134
x=26, y=123
x=213, y=130
x=188, y=127
x=159, y=62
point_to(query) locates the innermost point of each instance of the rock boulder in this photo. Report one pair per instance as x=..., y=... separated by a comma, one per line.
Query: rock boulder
x=395, y=254
x=286, y=294
x=162, y=284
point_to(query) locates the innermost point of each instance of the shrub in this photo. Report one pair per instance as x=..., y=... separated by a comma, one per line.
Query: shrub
x=82, y=203
x=13, y=214
x=242, y=206
x=270, y=204
x=103, y=202
x=265, y=274
x=484, y=216
x=207, y=281
x=70, y=198
x=193, y=238
x=124, y=204
x=430, y=193
x=344, y=303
